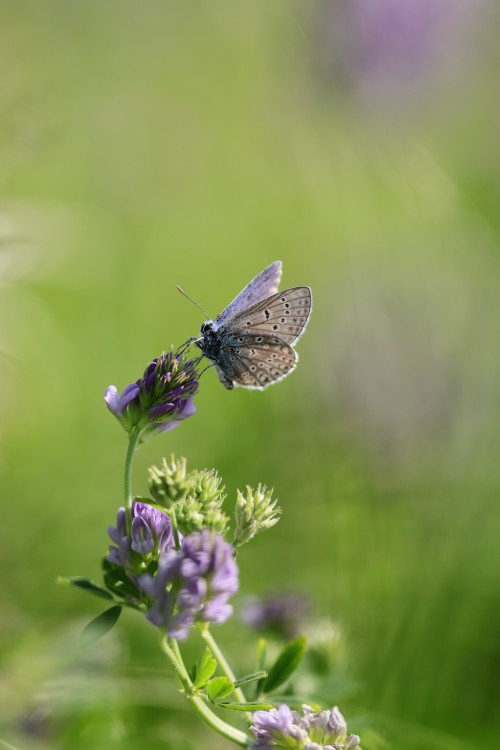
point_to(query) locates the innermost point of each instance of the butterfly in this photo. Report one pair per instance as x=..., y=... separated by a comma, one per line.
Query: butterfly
x=251, y=341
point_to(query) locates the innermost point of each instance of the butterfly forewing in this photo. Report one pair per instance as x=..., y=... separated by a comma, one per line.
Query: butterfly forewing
x=263, y=286
x=284, y=315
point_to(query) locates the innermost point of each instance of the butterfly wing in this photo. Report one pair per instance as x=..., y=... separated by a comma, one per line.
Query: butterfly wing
x=264, y=285
x=254, y=361
x=284, y=315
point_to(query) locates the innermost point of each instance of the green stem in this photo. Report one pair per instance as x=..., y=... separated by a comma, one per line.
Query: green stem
x=132, y=445
x=171, y=649
x=224, y=665
x=175, y=648
x=175, y=530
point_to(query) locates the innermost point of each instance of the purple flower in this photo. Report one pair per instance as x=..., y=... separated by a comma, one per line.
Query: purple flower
x=283, y=728
x=391, y=51
x=150, y=538
x=325, y=727
x=203, y=575
x=160, y=400
x=280, y=614
x=278, y=727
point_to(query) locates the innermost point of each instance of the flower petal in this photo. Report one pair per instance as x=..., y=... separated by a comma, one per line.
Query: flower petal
x=112, y=400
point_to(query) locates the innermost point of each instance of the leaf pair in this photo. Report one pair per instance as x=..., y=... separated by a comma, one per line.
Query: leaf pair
x=220, y=687
x=202, y=672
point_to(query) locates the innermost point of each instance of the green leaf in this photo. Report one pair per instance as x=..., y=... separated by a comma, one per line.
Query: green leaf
x=86, y=584
x=204, y=671
x=247, y=706
x=285, y=665
x=218, y=688
x=100, y=625
x=250, y=678
x=117, y=581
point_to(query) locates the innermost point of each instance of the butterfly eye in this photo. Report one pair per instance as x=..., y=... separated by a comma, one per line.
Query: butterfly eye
x=206, y=327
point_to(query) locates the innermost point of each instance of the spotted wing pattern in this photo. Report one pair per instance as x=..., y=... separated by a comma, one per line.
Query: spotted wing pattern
x=263, y=286
x=254, y=361
x=284, y=315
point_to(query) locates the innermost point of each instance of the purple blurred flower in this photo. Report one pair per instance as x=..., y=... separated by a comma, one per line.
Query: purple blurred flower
x=280, y=614
x=385, y=50
x=151, y=537
x=283, y=728
x=203, y=575
x=160, y=400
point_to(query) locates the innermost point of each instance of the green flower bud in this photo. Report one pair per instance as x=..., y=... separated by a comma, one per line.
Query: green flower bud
x=206, y=486
x=193, y=516
x=200, y=508
x=196, y=496
x=254, y=513
x=169, y=482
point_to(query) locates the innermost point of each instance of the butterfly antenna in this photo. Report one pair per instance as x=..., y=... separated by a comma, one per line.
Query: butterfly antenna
x=179, y=289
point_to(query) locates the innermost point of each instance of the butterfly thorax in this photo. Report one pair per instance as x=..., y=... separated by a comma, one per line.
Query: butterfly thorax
x=210, y=343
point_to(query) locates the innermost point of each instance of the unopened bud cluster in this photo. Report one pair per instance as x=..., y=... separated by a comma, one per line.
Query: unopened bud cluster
x=256, y=511
x=196, y=496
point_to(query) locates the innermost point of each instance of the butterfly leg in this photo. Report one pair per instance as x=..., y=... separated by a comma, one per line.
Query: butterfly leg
x=186, y=345
x=205, y=369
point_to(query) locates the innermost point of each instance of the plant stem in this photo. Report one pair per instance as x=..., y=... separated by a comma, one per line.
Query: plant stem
x=175, y=530
x=132, y=445
x=171, y=649
x=216, y=651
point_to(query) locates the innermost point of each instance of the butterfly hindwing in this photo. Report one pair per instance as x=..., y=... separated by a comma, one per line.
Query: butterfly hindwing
x=254, y=361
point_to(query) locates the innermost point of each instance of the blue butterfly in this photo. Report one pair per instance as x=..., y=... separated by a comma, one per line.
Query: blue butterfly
x=251, y=341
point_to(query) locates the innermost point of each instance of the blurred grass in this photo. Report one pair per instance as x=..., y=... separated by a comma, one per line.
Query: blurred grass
x=144, y=146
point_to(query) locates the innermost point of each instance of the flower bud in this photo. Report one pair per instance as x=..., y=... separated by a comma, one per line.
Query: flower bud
x=197, y=496
x=254, y=513
x=168, y=482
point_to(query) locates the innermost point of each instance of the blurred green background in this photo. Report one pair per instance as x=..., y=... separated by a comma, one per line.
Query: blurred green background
x=144, y=145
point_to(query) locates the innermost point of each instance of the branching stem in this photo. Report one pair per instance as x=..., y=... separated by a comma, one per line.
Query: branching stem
x=223, y=663
x=171, y=649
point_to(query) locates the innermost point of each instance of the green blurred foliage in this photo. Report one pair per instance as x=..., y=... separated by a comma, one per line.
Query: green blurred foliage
x=148, y=144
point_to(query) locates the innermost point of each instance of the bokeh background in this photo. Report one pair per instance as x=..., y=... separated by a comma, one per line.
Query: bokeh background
x=144, y=145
